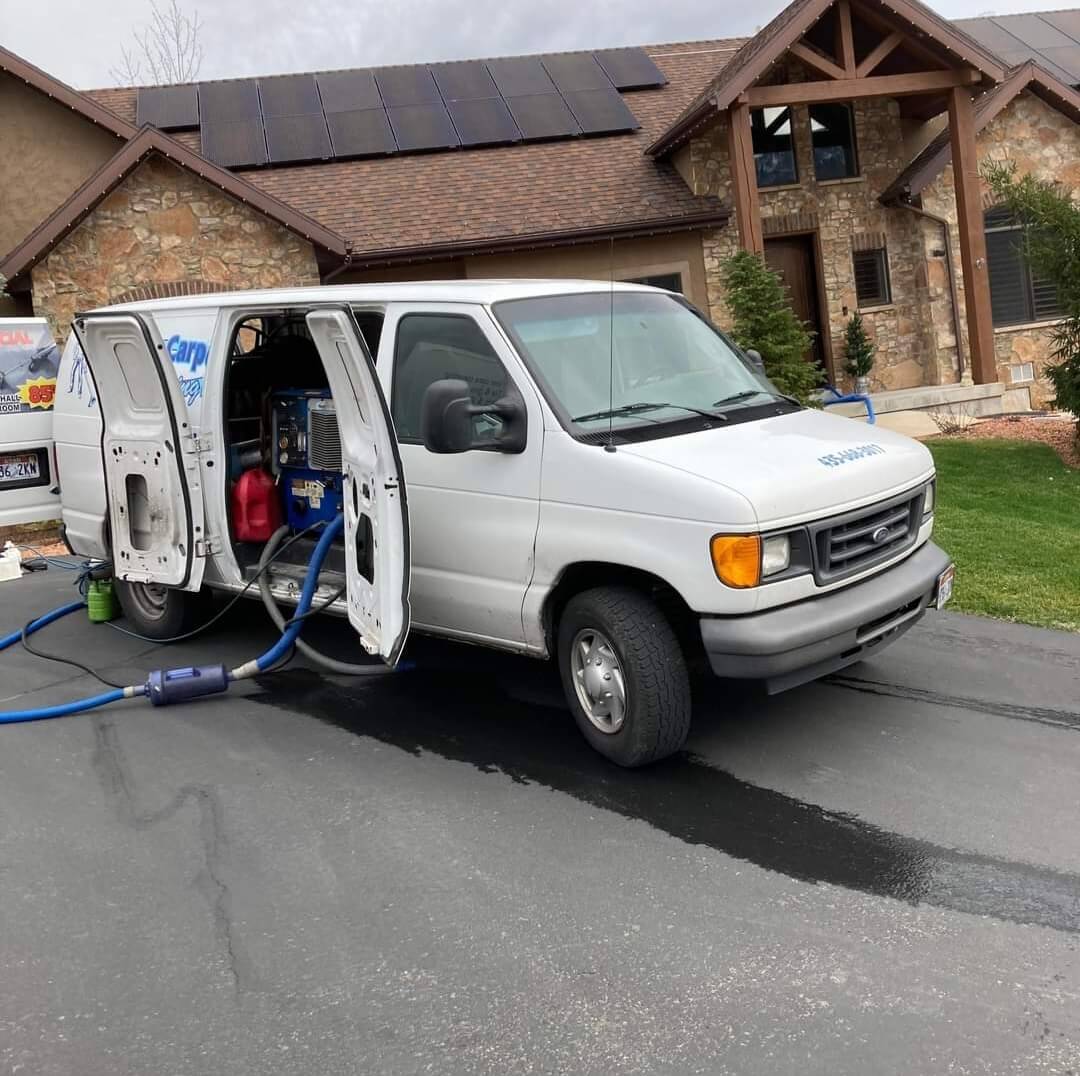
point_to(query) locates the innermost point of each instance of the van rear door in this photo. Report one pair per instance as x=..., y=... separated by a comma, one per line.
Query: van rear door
x=377, y=558
x=153, y=492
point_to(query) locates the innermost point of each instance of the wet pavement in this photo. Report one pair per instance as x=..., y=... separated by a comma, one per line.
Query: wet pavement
x=431, y=872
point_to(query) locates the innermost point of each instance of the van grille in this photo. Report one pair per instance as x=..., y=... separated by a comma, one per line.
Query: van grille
x=324, y=443
x=858, y=540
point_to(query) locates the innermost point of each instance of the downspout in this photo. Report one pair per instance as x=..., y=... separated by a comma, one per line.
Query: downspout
x=346, y=264
x=949, y=275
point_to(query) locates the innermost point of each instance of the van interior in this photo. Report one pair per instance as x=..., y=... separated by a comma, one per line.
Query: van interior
x=282, y=443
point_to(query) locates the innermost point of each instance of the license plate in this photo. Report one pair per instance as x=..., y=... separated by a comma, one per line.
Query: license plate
x=944, y=585
x=18, y=469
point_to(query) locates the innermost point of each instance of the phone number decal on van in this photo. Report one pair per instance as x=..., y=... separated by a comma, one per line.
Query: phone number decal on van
x=835, y=459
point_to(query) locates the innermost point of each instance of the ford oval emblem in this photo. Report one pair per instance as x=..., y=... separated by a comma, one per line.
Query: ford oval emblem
x=880, y=535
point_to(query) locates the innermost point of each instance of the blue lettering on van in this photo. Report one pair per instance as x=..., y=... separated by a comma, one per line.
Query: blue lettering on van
x=192, y=388
x=80, y=378
x=835, y=459
x=189, y=353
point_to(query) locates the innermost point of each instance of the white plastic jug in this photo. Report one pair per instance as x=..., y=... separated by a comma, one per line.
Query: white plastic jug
x=10, y=563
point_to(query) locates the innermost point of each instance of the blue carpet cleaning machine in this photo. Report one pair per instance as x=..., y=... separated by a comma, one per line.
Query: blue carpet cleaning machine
x=306, y=456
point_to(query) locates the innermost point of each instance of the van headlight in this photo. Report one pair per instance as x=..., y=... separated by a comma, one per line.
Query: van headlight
x=928, y=499
x=744, y=560
x=775, y=554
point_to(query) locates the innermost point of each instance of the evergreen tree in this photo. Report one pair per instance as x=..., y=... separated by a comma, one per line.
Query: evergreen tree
x=858, y=350
x=762, y=319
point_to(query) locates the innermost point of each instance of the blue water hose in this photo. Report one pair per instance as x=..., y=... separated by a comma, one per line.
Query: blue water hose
x=165, y=686
x=36, y=625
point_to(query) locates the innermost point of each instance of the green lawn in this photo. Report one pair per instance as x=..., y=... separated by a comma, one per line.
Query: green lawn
x=1009, y=514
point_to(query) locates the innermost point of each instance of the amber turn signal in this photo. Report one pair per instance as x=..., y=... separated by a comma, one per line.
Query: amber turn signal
x=737, y=559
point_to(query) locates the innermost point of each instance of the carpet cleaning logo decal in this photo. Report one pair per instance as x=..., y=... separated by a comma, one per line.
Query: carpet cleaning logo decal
x=28, y=363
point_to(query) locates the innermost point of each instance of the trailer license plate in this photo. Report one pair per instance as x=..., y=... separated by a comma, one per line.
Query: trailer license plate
x=944, y=585
x=18, y=469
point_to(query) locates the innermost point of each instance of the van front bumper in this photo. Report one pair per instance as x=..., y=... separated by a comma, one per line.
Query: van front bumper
x=800, y=642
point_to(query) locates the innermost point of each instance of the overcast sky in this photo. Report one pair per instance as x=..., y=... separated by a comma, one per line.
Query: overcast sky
x=80, y=40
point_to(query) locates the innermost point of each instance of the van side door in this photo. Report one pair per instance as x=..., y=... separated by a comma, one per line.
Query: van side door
x=377, y=558
x=475, y=514
x=151, y=466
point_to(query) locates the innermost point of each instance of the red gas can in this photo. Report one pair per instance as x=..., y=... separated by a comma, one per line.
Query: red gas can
x=256, y=508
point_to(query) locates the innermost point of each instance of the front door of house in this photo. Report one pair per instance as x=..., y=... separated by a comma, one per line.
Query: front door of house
x=791, y=257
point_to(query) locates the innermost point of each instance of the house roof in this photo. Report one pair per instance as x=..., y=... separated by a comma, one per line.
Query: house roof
x=97, y=112
x=431, y=205
x=931, y=161
x=761, y=51
x=1050, y=38
x=146, y=142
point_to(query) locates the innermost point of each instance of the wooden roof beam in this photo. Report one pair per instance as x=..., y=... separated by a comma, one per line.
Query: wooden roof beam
x=813, y=58
x=885, y=47
x=808, y=93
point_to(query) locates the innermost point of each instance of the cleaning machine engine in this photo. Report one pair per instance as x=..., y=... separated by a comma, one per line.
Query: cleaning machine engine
x=306, y=455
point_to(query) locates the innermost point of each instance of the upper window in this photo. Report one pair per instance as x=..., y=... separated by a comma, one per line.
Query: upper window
x=774, y=146
x=1017, y=294
x=431, y=347
x=872, y=277
x=667, y=281
x=832, y=135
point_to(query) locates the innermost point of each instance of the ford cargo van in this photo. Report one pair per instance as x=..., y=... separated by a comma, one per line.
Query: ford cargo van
x=28, y=364
x=567, y=469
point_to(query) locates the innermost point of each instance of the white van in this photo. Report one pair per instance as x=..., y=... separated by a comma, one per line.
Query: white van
x=566, y=469
x=28, y=365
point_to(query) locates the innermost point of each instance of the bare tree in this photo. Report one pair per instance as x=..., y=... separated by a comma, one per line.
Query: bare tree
x=166, y=50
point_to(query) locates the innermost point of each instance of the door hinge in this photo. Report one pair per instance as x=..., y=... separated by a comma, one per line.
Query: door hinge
x=201, y=445
x=207, y=547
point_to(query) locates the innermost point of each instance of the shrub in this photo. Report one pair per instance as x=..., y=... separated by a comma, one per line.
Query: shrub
x=762, y=319
x=858, y=350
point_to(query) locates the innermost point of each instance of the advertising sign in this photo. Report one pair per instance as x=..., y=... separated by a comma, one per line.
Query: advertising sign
x=29, y=359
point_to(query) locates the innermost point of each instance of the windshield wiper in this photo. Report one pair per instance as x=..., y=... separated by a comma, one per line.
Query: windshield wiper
x=637, y=408
x=746, y=394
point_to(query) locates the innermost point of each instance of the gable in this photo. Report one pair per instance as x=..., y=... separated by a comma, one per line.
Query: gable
x=47, y=151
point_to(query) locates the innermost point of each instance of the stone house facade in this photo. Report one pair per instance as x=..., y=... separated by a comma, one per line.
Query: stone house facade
x=149, y=213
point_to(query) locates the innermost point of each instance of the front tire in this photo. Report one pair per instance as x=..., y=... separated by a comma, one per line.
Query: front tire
x=624, y=675
x=160, y=612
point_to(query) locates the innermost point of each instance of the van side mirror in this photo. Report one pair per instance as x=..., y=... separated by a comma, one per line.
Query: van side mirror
x=446, y=420
x=756, y=361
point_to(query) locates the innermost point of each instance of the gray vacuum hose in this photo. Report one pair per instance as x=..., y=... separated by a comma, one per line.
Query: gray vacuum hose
x=332, y=664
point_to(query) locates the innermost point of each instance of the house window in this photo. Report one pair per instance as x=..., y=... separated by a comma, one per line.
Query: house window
x=832, y=135
x=872, y=277
x=1020, y=372
x=1017, y=295
x=774, y=146
x=667, y=281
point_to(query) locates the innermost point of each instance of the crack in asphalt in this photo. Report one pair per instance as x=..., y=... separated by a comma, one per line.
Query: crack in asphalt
x=116, y=779
x=1064, y=719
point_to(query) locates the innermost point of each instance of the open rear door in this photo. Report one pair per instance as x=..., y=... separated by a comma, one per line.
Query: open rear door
x=155, y=502
x=377, y=560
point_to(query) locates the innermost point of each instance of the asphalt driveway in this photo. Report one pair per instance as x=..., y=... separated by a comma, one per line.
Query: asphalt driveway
x=431, y=872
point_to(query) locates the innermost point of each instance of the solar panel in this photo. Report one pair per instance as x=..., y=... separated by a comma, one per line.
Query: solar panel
x=168, y=107
x=234, y=143
x=1068, y=22
x=483, y=123
x=1035, y=31
x=465, y=81
x=601, y=111
x=422, y=127
x=297, y=138
x=630, y=69
x=518, y=76
x=406, y=86
x=361, y=133
x=290, y=95
x=576, y=71
x=542, y=115
x=344, y=91
x=227, y=102
x=1066, y=59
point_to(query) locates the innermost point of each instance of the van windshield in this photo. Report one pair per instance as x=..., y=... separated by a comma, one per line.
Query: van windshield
x=630, y=358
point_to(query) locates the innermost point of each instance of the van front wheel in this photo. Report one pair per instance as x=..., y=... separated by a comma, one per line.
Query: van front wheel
x=160, y=612
x=624, y=675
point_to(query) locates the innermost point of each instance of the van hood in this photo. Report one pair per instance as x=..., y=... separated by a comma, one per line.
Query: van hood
x=797, y=466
